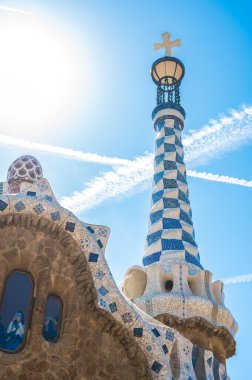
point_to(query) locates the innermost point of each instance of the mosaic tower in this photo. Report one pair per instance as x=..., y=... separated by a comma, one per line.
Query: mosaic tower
x=172, y=285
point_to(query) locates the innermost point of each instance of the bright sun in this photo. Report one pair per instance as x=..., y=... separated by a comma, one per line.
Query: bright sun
x=39, y=74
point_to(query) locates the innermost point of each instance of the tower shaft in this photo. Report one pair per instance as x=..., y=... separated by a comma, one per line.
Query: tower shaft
x=171, y=231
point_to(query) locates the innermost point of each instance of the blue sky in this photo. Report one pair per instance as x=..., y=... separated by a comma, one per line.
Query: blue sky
x=81, y=81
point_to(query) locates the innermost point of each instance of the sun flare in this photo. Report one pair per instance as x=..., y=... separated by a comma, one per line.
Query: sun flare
x=39, y=74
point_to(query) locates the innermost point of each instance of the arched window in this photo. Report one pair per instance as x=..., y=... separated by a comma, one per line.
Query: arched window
x=168, y=285
x=52, y=320
x=15, y=311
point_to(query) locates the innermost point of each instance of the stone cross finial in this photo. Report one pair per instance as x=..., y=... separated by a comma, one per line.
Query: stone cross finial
x=167, y=44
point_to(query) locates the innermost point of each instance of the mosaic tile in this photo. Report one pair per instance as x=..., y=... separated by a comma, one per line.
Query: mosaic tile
x=103, y=291
x=39, y=209
x=31, y=193
x=85, y=243
x=157, y=196
x=48, y=198
x=102, y=232
x=156, y=216
x=159, y=142
x=149, y=306
x=70, y=226
x=100, y=274
x=138, y=332
x=90, y=229
x=185, y=217
x=42, y=185
x=170, y=183
x=154, y=237
x=55, y=216
x=113, y=307
x=93, y=257
x=169, y=131
x=188, y=238
x=165, y=349
x=171, y=223
x=151, y=258
x=102, y=303
x=172, y=245
x=3, y=205
x=169, y=165
x=156, y=367
x=170, y=335
x=158, y=177
x=19, y=206
x=169, y=147
x=127, y=318
x=99, y=243
x=155, y=332
x=187, y=367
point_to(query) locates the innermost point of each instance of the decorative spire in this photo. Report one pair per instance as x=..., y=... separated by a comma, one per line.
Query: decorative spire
x=172, y=285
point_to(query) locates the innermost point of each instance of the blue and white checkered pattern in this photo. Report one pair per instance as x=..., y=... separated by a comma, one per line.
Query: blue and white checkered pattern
x=170, y=225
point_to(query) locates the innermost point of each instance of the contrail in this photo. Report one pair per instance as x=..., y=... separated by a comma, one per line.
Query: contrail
x=16, y=10
x=200, y=146
x=132, y=178
x=129, y=176
x=60, y=151
x=123, y=181
x=219, y=178
x=237, y=279
x=226, y=134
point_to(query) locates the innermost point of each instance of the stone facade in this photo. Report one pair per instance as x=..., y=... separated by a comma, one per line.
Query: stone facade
x=103, y=334
x=91, y=344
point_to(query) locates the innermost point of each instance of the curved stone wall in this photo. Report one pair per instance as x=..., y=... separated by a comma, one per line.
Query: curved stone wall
x=91, y=345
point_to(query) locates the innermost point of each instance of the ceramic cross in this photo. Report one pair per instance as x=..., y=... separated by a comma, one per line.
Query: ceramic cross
x=167, y=44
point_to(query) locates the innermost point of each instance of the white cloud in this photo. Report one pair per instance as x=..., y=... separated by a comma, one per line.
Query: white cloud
x=237, y=279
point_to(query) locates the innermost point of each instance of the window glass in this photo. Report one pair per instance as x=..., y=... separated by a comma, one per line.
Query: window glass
x=15, y=310
x=52, y=321
x=168, y=285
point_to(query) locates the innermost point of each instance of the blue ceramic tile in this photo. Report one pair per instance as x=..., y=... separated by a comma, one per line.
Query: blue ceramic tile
x=3, y=205
x=55, y=216
x=113, y=307
x=39, y=209
x=156, y=367
x=70, y=226
x=156, y=332
x=138, y=332
x=19, y=206
x=93, y=257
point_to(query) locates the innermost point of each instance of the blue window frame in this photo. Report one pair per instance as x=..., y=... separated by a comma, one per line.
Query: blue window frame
x=15, y=310
x=52, y=319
